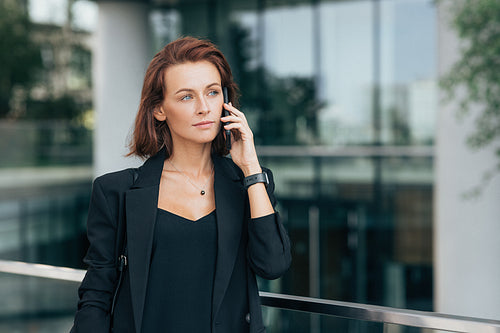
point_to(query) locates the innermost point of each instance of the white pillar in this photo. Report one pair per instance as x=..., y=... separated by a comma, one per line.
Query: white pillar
x=467, y=245
x=122, y=54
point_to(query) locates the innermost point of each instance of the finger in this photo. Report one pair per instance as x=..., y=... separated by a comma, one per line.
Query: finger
x=233, y=110
x=238, y=129
x=235, y=118
x=235, y=131
x=232, y=119
x=233, y=126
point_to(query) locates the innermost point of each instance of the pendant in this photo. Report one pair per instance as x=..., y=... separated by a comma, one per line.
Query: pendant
x=202, y=192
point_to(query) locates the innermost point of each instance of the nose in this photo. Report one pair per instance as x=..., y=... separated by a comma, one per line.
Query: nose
x=203, y=106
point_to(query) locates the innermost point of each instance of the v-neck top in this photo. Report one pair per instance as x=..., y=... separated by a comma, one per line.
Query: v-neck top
x=181, y=275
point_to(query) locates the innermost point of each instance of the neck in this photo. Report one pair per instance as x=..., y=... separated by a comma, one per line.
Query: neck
x=195, y=160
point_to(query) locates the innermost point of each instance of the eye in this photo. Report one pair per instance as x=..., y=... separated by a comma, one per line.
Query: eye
x=186, y=98
x=213, y=92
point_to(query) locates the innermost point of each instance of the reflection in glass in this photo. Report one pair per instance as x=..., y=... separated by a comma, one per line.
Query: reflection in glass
x=40, y=305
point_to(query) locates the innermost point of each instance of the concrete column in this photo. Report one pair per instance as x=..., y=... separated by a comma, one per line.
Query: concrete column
x=467, y=246
x=122, y=53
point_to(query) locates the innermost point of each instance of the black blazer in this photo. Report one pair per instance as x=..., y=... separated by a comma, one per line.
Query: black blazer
x=245, y=247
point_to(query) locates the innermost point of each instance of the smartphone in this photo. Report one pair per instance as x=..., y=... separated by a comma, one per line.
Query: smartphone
x=226, y=113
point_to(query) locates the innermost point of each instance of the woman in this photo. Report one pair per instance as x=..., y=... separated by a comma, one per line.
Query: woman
x=199, y=226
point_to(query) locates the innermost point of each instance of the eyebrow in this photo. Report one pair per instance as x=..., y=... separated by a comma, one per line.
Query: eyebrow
x=191, y=90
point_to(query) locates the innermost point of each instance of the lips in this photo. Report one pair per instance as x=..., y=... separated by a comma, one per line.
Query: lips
x=204, y=124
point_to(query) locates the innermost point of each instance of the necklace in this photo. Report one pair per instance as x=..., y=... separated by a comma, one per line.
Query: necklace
x=202, y=191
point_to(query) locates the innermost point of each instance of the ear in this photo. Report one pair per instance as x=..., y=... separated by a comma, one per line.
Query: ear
x=159, y=114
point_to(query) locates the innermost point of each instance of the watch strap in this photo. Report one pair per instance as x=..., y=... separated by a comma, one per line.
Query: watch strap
x=255, y=178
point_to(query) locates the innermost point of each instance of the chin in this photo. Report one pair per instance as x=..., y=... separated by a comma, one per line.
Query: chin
x=203, y=139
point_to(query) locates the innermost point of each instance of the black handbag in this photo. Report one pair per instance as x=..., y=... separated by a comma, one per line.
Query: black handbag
x=122, y=262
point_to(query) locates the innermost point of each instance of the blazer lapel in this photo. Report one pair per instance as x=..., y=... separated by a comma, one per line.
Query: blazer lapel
x=230, y=205
x=141, y=203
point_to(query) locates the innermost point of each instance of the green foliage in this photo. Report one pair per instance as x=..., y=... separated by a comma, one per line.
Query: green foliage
x=64, y=107
x=475, y=77
x=19, y=55
x=400, y=128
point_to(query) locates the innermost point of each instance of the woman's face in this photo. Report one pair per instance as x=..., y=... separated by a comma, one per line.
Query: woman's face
x=193, y=102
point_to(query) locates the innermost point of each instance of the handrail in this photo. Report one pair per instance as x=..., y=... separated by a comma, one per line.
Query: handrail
x=40, y=270
x=357, y=311
x=381, y=314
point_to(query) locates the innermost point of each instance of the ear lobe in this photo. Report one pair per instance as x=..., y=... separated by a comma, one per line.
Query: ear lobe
x=159, y=114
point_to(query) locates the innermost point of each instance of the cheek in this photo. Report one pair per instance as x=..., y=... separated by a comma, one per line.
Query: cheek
x=178, y=115
x=216, y=107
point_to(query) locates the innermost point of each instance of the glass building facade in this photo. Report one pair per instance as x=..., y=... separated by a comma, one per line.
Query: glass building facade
x=342, y=99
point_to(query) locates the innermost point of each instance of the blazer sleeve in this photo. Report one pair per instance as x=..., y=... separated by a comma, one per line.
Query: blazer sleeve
x=96, y=291
x=268, y=249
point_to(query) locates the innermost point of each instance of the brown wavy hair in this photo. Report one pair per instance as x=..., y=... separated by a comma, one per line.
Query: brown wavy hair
x=151, y=135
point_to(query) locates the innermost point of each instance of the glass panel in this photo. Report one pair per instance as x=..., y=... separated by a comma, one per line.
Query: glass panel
x=286, y=321
x=347, y=54
x=36, y=305
x=354, y=238
x=46, y=229
x=393, y=328
x=46, y=123
x=407, y=75
x=46, y=113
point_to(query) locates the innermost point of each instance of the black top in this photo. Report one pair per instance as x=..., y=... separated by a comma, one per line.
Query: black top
x=181, y=275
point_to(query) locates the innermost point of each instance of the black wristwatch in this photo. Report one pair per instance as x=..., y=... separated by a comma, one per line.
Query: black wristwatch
x=256, y=178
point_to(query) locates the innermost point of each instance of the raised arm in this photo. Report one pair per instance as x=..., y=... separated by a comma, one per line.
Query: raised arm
x=268, y=243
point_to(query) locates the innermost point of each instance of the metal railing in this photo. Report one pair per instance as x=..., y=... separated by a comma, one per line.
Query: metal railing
x=356, y=311
x=380, y=314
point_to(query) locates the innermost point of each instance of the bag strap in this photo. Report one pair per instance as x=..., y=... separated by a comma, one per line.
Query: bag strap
x=122, y=261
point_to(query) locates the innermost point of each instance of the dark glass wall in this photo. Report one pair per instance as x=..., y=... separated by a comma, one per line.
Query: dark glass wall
x=46, y=157
x=45, y=224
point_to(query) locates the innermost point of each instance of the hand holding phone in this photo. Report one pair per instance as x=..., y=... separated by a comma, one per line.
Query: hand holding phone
x=226, y=113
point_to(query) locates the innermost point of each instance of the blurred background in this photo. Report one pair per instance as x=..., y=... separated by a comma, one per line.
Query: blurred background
x=379, y=118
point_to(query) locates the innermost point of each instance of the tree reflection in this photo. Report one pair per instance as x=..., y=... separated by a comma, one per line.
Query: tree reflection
x=284, y=110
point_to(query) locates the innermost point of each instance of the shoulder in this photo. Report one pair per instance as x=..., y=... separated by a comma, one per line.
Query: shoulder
x=116, y=181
